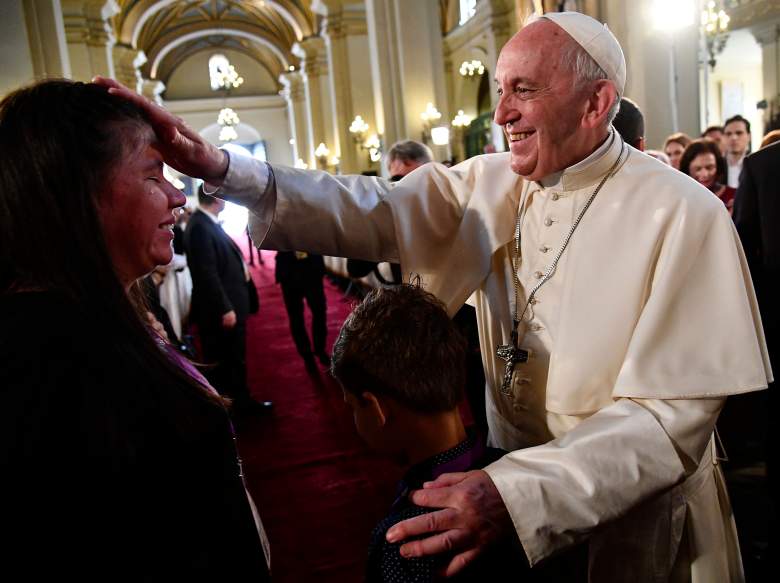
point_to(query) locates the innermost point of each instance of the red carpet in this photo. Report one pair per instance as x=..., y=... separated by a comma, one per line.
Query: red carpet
x=317, y=487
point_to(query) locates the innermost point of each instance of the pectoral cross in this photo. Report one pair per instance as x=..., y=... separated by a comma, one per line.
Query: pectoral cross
x=512, y=355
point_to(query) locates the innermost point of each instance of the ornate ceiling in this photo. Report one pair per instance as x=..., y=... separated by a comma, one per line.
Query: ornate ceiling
x=171, y=31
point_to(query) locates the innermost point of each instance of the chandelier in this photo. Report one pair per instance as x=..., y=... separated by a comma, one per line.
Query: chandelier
x=471, y=68
x=715, y=25
x=359, y=130
x=222, y=74
x=228, y=119
x=224, y=78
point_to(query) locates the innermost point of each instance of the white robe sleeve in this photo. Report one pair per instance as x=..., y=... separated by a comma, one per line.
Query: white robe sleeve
x=559, y=492
x=307, y=210
x=443, y=224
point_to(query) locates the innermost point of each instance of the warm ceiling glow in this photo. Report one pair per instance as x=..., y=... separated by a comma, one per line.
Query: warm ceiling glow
x=672, y=15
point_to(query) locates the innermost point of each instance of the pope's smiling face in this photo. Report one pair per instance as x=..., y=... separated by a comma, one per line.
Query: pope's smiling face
x=539, y=105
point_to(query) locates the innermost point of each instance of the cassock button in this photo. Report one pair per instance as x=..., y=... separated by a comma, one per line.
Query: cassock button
x=544, y=248
x=548, y=222
x=538, y=275
x=556, y=196
x=533, y=301
x=535, y=327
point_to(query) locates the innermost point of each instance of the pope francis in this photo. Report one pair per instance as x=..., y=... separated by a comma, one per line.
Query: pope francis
x=615, y=313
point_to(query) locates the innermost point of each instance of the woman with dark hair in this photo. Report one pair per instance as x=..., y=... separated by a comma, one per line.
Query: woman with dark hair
x=118, y=460
x=703, y=161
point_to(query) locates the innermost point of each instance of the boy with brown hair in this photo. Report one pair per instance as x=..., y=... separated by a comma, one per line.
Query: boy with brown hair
x=400, y=361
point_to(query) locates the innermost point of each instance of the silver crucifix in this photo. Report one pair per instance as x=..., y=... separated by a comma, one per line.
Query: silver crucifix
x=512, y=355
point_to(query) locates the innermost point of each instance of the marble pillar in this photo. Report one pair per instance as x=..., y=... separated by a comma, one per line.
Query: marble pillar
x=90, y=37
x=294, y=96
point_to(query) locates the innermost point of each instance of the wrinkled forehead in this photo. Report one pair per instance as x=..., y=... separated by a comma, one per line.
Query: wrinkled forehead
x=537, y=42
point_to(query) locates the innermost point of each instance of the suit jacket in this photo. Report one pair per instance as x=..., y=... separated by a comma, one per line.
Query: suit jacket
x=757, y=215
x=217, y=268
x=294, y=271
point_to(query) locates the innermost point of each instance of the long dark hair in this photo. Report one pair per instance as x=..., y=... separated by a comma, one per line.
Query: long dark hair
x=704, y=146
x=59, y=144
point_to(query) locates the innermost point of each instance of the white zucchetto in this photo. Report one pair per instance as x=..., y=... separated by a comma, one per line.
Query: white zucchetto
x=597, y=40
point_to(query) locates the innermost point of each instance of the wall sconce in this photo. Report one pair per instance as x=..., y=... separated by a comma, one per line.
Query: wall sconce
x=358, y=128
x=322, y=153
x=299, y=163
x=462, y=120
x=374, y=147
x=471, y=68
x=440, y=136
x=430, y=116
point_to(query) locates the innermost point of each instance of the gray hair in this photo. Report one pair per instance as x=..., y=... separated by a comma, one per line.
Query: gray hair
x=409, y=151
x=577, y=60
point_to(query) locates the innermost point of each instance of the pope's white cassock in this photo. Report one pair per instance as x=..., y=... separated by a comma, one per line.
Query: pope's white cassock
x=647, y=324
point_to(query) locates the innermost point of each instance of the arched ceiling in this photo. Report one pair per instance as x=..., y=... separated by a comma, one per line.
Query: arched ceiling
x=170, y=31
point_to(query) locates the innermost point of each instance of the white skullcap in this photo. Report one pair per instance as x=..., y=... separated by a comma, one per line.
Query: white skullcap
x=597, y=40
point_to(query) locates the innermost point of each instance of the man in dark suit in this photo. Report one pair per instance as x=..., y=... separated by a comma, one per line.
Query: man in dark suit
x=745, y=418
x=220, y=301
x=300, y=275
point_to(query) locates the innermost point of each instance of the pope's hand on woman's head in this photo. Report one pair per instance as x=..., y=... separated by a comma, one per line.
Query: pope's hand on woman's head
x=182, y=147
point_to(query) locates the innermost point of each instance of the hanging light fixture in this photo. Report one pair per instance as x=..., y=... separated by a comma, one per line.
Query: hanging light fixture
x=228, y=119
x=472, y=68
x=715, y=26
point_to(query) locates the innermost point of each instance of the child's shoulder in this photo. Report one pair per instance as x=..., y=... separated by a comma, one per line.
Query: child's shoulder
x=385, y=562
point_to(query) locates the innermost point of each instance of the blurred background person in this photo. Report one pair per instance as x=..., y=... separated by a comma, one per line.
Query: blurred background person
x=702, y=161
x=405, y=156
x=736, y=132
x=660, y=156
x=715, y=133
x=300, y=275
x=630, y=124
x=220, y=302
x=118, y=459
x=674, y=146
x=770, y=138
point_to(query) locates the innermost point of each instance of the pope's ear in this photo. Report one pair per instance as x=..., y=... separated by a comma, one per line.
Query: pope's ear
x=600, y=101
x=375, y=408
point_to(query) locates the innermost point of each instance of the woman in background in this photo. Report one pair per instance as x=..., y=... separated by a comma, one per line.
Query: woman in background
x=703, y=161
x=118, y=460
x=674, y=146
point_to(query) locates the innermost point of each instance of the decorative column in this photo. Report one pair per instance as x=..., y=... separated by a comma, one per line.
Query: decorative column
x=293, y=94
x=345, y=34
x=408, y=66
x=314, y=67
x=90, y=37
x=127, y=65
x=768, y=36
x=152, y=89
x=46, y=35
x=386, y=71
